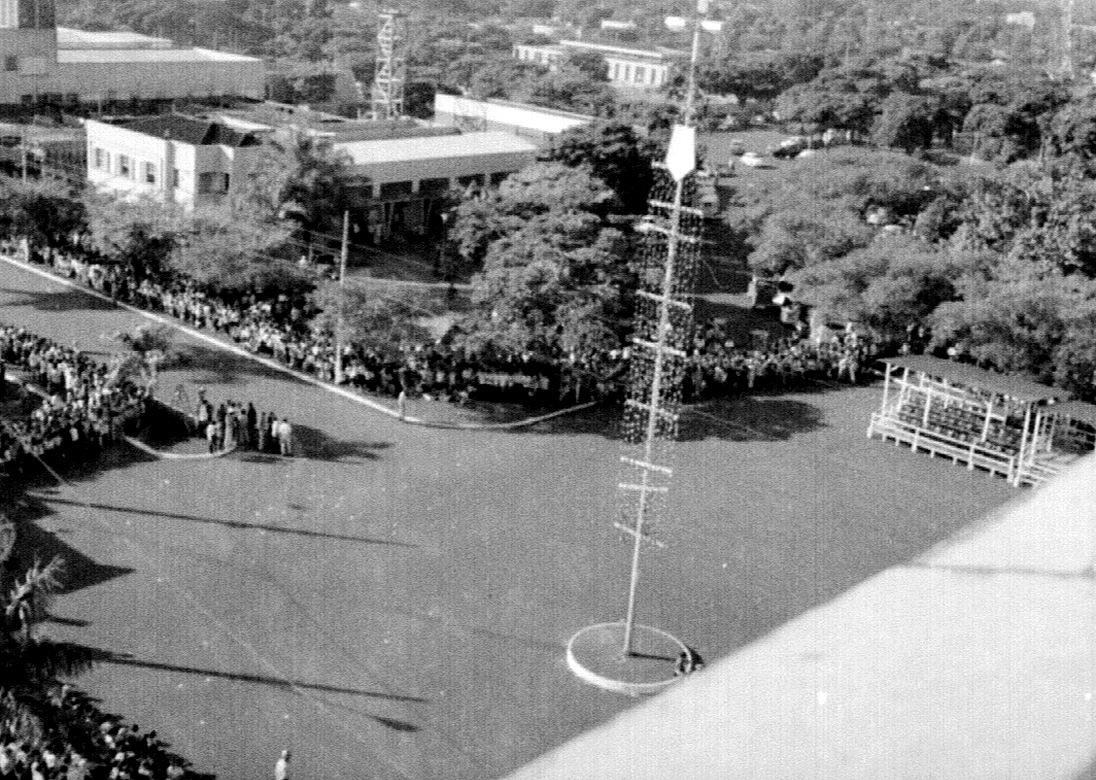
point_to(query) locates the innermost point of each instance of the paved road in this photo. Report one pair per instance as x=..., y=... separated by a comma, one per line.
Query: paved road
x=395, y=602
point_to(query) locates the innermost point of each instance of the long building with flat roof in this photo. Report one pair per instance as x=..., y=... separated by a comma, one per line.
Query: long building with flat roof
x=42, y=65
x=404, y=169
x=541, y=126
x=636, y=68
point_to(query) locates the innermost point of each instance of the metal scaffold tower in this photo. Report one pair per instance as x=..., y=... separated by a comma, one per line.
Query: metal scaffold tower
x=391, y=72
x=624, y=656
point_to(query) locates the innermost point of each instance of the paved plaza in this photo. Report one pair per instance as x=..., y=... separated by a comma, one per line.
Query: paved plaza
x=395, y=602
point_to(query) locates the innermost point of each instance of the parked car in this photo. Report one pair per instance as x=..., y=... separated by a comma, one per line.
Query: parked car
x=753, y=160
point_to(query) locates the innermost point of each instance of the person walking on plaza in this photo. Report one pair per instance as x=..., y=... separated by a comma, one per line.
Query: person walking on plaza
x=263, y=443
x=281, y=766
x=285, y=438
x=252, y=425
x=401, y=404
x=274, y=446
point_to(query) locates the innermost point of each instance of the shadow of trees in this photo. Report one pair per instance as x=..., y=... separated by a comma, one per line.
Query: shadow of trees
x=125, y=659
x=736, y=418
x=152, y=514
x=33, y=544
x=66, y=299
x=312, y=443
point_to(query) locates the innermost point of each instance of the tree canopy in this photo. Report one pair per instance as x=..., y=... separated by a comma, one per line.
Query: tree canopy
x=616, y=154
x=299, y=180
x=556, y=279
x=224, y=249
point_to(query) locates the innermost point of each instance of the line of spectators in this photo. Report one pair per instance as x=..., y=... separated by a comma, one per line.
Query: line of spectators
x=722, y=368
x=82, y=743
x=79, y=406
x=280, y=328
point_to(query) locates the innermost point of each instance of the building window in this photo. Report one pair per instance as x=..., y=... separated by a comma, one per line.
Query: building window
x=98, y=157
x=150, y=173
x=227, y=181
x=209, y=183
x=125, y=167
x=11, y=62
x=641, y=74
x=175, y=178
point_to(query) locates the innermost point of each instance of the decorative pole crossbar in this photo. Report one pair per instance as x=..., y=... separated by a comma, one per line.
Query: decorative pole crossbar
x=661, y=357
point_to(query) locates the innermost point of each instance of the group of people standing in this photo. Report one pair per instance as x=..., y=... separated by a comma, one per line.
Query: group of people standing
x=232, y=425
x=73, y=405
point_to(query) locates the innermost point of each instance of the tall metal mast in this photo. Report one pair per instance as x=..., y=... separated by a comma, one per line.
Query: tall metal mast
x=663, y=349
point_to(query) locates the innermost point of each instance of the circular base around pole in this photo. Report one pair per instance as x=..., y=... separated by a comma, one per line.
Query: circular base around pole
x=596, y=656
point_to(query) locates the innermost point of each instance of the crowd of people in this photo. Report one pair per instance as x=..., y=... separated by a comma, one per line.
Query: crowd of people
x=231, y=425
x=722, y=368
x=74, y=405
x=85, y=744
x=280, y=327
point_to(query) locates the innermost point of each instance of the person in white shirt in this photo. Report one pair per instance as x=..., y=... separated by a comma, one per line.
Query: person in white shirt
x=281, y=766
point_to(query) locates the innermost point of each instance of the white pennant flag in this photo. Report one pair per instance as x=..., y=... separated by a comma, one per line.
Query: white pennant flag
x=681, y=156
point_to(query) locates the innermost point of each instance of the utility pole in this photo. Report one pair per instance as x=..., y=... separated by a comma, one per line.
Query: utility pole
x=343, y=255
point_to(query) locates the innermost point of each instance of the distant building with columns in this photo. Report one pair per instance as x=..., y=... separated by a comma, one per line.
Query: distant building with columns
x=627, y=67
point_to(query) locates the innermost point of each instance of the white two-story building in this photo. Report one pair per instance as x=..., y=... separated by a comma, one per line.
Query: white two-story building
x=177, y=159
x=404, y=170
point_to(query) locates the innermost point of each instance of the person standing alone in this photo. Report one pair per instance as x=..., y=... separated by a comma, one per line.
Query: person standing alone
x=281, y=766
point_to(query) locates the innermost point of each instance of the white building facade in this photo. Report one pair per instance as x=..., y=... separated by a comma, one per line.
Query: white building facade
x=175, y=159
x=634, y=68
x=540, y=126
x=198, y=161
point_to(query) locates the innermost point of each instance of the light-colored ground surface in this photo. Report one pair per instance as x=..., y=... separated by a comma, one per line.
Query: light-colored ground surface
x=417, y=587
x=974, y=661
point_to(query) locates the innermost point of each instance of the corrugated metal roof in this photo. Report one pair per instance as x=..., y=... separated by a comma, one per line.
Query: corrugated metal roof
x=1018, y=387
x=69, y=38
x=122, y=56
x=437, y=148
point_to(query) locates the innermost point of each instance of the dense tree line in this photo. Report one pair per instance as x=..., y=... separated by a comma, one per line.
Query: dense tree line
x=998, y=263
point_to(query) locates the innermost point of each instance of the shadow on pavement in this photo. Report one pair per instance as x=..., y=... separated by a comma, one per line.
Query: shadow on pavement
x=32, y=544
x=737, y=418
x=65, y=299
x=749, y=418
x=203, y=364
x=152, y=513
x=1088, y=773
x=315, y=444
x=120, y=659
